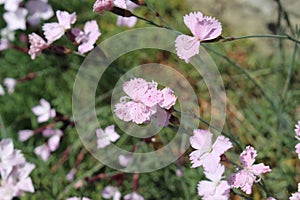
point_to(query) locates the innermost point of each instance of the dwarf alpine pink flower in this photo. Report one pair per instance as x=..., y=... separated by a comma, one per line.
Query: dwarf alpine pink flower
x=144, y=100
x=296, y=196
x=16, y=19
x=245, y=178
x=37, y=45
x=78, y=198
x=14, y=171
x=111, y=192
x=102, y=5
x=133, y=196
x=104, y=138
x=43, y=111
x=206, y=153
x=216, y=188
x=10, y=84
x=87, y=38
x=37, y=10
x=25, y=135
x=203, y=28
x=126, y=21
x=55, y=30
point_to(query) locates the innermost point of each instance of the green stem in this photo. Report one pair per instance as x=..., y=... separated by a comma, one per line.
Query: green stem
x=245, y=72
x=151, y=8
x=287, y=37
x=289, y=76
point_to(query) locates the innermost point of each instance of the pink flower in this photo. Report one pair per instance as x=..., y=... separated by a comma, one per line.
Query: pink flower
x=271, y=198
x=207, y=154
x=43, y=152
x=126, y=21
x=88, y=38
x=4, y=44
x=144, y=101
x=297, y=130
x=216, y=188
x=102, y=5
x=37, y=45
x=71, y=175
x=125, y=160
x=10, y=84
x=169, y=99
x=25, y=135
x=297, y=147
x=43, y=111
x=55, y=30
x=111, y=192
x=133, y=196
x=14, y=171
x=9, y=157
x=203, y=28
x=37, y=10
x=78, y=198
x=296, y=196
x=104, y=138
x=245, y=178
x=54, y=138
x=16, y=19
x=2, y=92
x=11, y=5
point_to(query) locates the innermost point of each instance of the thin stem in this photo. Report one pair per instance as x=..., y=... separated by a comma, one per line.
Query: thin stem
x=285, y=36
x=151, y=8
x=245, y=72
x=281, y=10
x=289, y=76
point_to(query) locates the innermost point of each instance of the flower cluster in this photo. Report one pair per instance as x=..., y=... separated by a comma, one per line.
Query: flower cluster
x=203, y=28
x=17, y=14
x=208, y=155
x=55, y=30
x=14, y=171
x=145, y=100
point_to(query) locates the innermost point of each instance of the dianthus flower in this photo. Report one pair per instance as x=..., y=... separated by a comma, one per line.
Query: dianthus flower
x=87, y=38
x=133, y=196
x=102, y=5
x=206, y=153
x=296, y=196
x=104, y=138
x=250, y=173
x=43, y=111
x=144, y=99
x=111, y=192
x=203, y=28
x=126, y=21
x=55, y=30
x=216, y=188
x=14, y=171
x=37, y=45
